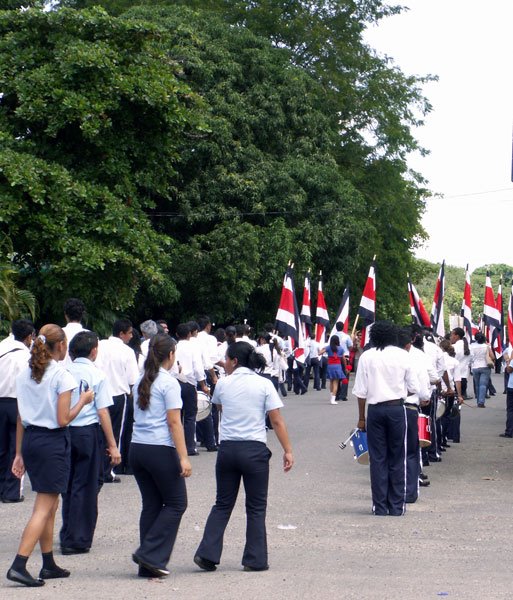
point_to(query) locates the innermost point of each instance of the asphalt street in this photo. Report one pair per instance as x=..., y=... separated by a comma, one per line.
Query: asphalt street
x=324, y=542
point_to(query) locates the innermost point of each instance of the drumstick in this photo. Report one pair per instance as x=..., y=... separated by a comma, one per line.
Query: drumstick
x=342, y=445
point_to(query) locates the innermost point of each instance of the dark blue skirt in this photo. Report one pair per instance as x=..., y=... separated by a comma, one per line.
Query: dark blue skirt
x=47, y=457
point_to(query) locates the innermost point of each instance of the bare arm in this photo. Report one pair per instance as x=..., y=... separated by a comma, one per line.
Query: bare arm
x=175, y=426
x=280, y=429
x=361, y=413
x=106, y=424
x=18, y=466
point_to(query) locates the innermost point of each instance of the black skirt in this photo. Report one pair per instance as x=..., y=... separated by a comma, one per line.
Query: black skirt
x=47, y=457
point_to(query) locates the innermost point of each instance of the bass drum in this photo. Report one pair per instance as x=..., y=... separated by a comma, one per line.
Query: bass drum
x=204, y=406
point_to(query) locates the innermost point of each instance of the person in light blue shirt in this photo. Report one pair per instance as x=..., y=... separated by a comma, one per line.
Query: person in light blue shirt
x=158, y=456
x=43, y=447
x=244, y=399
x=88, y=446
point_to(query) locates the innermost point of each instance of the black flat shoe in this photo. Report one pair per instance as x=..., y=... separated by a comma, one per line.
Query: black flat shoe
x=13, y=500
x=156, y=571
x=24, y=578
x=68, y=551
x=55, y=573
x=424, y=482
x=505, y=435
x=249, y=569
x=205, y=564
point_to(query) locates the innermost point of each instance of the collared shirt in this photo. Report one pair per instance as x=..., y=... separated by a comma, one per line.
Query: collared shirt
x=118, y=362
x=151, y=426
x=453, y=368
x=272, y=359
x=37, y=402
x=437, y=357
x=191, y=365
x=384, y=375
x=14, y=359
x=84, y=370
x=314, y=349
x=208, y=344
x=71, y=330
x=421, y=364
x=345, y=341
x=464, y=359
x=245, y=398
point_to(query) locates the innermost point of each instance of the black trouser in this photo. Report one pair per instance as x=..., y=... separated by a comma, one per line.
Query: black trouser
x=117, y=418
x=386, y=432
x=164, y=500
x=126, y=436
x=80, y=502
x=189, y=412
x=313, y=363
x=236, y=460
x=509, y=411
x=323, y=371
x=412, y=454
x=10, y=485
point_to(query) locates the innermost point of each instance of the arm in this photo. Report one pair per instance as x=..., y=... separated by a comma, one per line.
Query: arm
x=361, y=413
x=106, y=424
x=280, y=429
x=175, y=426
x=18, y=466
x=65, y=414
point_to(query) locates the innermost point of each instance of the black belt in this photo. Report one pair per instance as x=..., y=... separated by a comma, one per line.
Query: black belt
x=398, y=402
x=411, y=405
x=37, y=428
x=6, y=398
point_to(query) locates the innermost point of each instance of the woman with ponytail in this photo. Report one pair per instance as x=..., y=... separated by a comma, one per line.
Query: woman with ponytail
x=336, y=365
x=43, y=447
x=244, y=399
x=158, y=457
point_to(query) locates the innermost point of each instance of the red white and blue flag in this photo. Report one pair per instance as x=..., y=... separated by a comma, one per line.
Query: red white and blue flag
x=342, y=314
x=437, y=310
x=367, y=309
x=497, y=343
x=418, y=312
x=306, y=314
x=322, y=319
x=287, y=317
x=491, y=317
x=466, y=307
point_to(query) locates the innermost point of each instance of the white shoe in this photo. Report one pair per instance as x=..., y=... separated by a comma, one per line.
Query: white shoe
x=332, y=400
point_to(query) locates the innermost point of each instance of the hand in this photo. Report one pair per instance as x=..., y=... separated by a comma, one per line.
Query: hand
x=87, y=397
x=18, y=467
x=361, y=424
x=206, y=389
x=214, y=380
x=288, y=461
x=115, y=455
x=186, y=467
x=460, y=399
x=425, y=402
x=449, y=392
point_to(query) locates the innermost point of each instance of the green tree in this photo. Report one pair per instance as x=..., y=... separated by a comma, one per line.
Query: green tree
x=90, y=114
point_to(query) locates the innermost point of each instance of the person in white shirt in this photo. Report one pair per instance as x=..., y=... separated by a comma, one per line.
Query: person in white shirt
x=383, y=381
x=14, y=357
x=74, y=310
x=243, y=331
x=481, y=354
x=451, y=423
x=118, y=362
x=462, y=350
x=148, y=329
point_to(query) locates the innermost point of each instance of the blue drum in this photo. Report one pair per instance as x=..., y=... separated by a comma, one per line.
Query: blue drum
x=360, y=448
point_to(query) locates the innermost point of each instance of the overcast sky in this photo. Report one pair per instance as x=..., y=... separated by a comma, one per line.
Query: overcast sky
x=468, y=44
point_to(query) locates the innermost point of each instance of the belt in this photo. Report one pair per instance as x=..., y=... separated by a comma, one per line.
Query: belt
x=398, y=402
x=411, y=406
x=37, y=428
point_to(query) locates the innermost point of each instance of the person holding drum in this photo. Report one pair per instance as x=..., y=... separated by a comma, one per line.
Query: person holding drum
x=384, y=379
x=158, y=456
x=244, y=399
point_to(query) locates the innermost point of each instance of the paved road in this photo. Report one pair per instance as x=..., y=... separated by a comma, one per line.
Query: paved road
x=454, y=543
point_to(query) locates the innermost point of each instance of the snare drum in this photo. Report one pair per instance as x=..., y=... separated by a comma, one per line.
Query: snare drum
x=360, y=448
x=204, y=406
x=440, y=407
x=424, y=431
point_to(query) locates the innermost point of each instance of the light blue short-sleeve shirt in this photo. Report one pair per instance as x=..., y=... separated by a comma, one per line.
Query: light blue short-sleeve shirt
x=85, y=372
x=150, y=426
x=245, y=398
x=37, y=402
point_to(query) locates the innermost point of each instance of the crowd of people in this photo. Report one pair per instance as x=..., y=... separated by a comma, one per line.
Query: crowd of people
x=76, y=412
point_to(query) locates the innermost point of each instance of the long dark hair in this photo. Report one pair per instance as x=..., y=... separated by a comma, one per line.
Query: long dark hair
x=334, y=343
x=160, y=347
x=246, y=355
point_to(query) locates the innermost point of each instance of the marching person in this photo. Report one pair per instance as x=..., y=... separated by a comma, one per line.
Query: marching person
x=119, y=363
x=14, y=357
x=158, y=456
x=383, y=381
x=336, y=365
x=43, y=447
x=74, y=310
x=244, y=399
x=482, y=357
x=80, y=502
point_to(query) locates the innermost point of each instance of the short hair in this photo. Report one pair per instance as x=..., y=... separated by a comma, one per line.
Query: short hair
x=480, y=338
x=121, y=326
x=21, y=329
x=82, y=344
x=74, y=309
x=203, y=322
x=383, y=334
x=193, y=326
x=182, y=331
x=246, y=355
x=240, y=330
x=339, y=326
x=404, y=336
x=149, y=328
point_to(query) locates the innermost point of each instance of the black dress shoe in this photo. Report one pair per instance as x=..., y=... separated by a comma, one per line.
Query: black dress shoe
x=157, y=571
x=423, y=477
x=55, y=573
x=212, y=449
x=68, y=550
x=143, y=572
x=424, y=483
x=13, y=500
x=204, y=563
x=505, y=435
x=194, y=453
x=112, y=480
x=248, y=569
x=24, y=578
